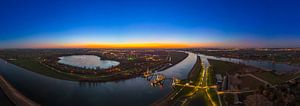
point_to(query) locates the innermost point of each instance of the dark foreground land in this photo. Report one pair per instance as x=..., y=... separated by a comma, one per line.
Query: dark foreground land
x=15, y=96
x=4, y=101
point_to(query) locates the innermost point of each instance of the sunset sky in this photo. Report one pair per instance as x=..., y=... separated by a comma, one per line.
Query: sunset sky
x=149, y=23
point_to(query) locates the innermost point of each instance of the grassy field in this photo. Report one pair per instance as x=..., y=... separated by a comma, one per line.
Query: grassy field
x=275, y=79
x=211, y=81
x=37, y=67
x=250, y=83
x=194, y=74
x=211, y=77
x=177, y=56
x=221, y=67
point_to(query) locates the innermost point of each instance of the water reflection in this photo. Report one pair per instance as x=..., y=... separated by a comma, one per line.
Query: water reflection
x=87, y=61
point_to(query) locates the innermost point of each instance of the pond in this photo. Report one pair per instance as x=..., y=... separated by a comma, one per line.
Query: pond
x=87, y=62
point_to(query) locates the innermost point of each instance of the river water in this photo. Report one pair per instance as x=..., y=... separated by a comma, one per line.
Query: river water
x=55, y=92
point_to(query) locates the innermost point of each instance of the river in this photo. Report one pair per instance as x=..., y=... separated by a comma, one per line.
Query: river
x=53, y=92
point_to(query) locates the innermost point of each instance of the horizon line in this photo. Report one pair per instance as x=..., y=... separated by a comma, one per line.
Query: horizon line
x=144, y=45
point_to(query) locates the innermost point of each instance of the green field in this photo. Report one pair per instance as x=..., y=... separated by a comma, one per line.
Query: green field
x=35, y=66
x=275, y=79
x=221, y=67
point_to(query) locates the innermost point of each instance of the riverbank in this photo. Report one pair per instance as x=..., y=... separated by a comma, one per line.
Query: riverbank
x=34, y=64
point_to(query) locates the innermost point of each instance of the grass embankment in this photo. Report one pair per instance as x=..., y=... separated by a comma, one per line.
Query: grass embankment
x=211, y=77
x=177, y=57
x=35, y=66
x=195, y=73
x=222, y=67
x=276, y=79
x=210, y=82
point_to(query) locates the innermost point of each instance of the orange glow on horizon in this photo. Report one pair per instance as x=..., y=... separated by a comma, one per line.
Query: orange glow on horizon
x=124, y=45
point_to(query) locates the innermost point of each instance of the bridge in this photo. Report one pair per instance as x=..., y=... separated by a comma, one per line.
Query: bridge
x=15, y=96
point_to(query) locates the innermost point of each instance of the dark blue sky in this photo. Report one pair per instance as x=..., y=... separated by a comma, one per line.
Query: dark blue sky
x=234, y=23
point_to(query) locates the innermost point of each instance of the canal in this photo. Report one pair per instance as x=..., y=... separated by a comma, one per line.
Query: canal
x=52, y=92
